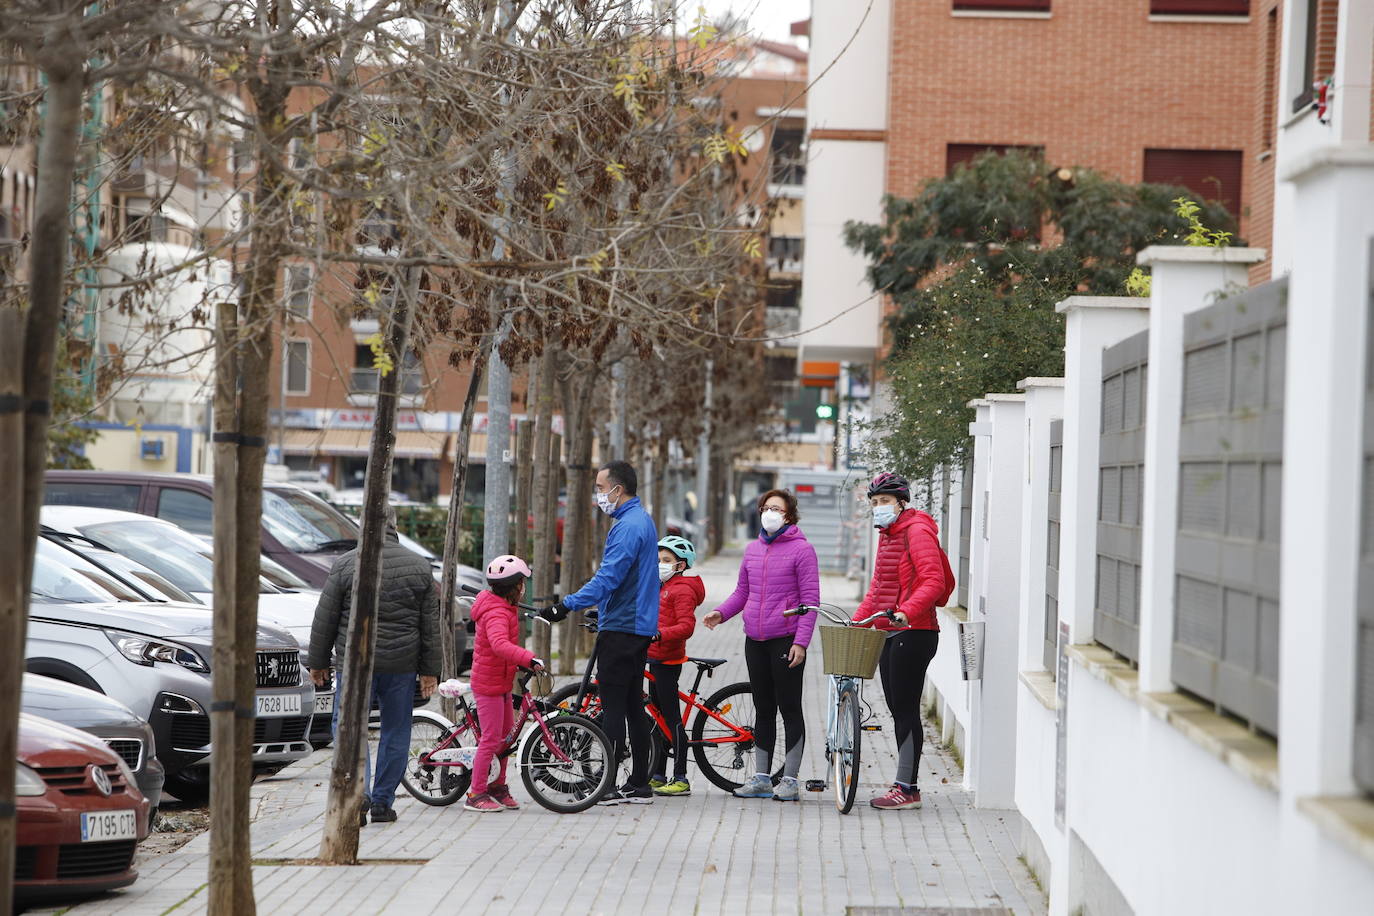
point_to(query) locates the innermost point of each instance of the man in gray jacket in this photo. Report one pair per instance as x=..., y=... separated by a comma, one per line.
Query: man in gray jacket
x=407, y=644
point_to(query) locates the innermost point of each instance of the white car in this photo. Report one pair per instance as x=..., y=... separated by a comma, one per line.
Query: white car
x=187, y=562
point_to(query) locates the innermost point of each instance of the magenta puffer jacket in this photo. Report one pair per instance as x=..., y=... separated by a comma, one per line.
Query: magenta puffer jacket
x=497, y=652
x=773, y=578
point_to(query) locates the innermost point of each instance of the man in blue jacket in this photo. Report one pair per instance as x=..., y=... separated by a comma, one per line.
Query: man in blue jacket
x=625, y=589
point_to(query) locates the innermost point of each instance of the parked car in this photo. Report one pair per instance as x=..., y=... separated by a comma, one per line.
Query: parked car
x=154, y=657
x=108, y=719
x=299, y=530
x=80, y=814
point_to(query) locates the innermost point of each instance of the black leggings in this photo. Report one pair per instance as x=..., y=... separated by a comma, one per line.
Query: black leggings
x=777, y=689
x=902, y=668
x=620, y=659
x=663, y=691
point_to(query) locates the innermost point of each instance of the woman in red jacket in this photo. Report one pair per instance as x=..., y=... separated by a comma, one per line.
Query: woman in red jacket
x=678, y=599
x=911, y=576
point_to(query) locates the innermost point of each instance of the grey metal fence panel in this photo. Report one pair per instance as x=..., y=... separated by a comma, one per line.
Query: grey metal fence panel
x=1230, y=487
x=1121, y=462
x=1056, y=486
x=965, y=531
x=1364, y=635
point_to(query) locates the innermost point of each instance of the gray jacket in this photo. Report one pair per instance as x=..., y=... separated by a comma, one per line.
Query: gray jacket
x=407, y=614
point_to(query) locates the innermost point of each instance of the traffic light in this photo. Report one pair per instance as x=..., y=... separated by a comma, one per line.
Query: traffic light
x=825, y=411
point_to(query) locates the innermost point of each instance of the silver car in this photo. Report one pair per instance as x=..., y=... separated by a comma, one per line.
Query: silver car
x=109, y=720
x=154, y=657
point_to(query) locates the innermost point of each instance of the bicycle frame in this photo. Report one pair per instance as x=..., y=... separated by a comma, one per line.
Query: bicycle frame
x=689, y=702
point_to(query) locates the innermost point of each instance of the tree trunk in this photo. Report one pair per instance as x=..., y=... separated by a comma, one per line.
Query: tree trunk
x=226, y=843
x=452, y=630
x=340, y=842
x=545, y=477
x=12, y=582
x=577, y=527
x=660, y=495
x=524, y=480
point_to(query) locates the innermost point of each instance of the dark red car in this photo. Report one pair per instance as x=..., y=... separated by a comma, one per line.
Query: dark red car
x=80, y=814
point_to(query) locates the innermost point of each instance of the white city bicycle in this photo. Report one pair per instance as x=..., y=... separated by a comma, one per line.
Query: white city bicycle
x=850, y=655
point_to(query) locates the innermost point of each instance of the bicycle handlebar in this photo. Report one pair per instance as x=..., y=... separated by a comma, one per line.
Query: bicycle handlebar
x=531, y=611
x=836, y=618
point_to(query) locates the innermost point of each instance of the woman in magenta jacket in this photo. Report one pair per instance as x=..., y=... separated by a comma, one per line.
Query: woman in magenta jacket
x=779, y=573
x=911, y=576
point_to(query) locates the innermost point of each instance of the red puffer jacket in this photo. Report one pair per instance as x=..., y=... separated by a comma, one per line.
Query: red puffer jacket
x=678, y=601
x=911, y=573
x=496, y=652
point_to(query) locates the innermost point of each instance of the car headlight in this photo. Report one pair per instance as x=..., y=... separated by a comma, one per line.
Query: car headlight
x=27, y=782
x=144, y=651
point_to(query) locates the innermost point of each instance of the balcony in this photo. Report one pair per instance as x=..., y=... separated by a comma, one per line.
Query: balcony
x=785, y=255
x=780, y=321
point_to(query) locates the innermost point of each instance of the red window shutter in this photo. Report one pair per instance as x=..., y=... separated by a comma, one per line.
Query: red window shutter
x=959, y=153
x=1200, y=7
x=1018, y=6
x=1210, y=174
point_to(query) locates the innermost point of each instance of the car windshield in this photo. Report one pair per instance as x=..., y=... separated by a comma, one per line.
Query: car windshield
x=304, y=523
x=163, y=548
x=56, y=578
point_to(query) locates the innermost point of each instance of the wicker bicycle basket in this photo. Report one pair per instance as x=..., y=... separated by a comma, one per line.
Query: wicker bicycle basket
x=851, y=651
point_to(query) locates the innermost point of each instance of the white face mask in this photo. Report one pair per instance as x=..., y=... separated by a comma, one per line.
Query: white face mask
x=884, y=515
x=666, y=571
x=604, y=501
x=771, y=520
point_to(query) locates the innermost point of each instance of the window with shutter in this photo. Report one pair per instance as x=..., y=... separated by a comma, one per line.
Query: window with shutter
x=956, y=154
x=1210, y=174
x=1199, y=7
x=1319, y=49
x=1004, y=6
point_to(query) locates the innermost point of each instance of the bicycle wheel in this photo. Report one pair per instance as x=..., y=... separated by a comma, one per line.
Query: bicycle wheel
x=572, y=785
x=721, y=751
x=844, y=757
x=564, y=699
x=435, y=785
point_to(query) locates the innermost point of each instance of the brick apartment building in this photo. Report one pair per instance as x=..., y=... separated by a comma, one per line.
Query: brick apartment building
x=1172, y=91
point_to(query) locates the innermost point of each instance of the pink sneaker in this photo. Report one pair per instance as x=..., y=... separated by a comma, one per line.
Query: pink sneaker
x=483, y=803
x=500, y=793
x=896, y=799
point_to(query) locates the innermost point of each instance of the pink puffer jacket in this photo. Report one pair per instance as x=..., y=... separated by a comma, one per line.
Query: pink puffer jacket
x=773, y=578
x=496, y=652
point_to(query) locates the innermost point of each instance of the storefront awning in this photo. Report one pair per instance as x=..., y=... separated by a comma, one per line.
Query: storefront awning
x=356, y=442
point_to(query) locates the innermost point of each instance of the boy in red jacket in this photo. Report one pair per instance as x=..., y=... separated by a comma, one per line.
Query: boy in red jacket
x=678, y=599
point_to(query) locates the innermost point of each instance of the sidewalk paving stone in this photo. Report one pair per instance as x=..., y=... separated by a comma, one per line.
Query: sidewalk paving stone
x=706, y=853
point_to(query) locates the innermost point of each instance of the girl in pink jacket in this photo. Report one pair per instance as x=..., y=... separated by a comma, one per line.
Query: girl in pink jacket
x=496, y=654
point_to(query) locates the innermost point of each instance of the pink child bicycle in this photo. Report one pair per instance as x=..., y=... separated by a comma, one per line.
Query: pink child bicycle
x=564, y=761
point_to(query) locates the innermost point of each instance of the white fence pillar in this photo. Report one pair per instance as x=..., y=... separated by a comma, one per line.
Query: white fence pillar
x=1044, y=405
x=1000, y=432
x=1329, y=296
x=1185, y=279
x=1093, y=323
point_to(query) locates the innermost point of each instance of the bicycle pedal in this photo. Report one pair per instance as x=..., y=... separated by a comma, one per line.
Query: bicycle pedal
x=870, y=728
x=815, y=785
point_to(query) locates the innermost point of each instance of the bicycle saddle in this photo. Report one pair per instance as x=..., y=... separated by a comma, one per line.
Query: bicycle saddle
x=708, y=663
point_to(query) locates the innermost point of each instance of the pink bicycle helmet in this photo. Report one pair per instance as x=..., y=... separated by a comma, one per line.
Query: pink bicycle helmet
x=506, y=569
x=891, y=484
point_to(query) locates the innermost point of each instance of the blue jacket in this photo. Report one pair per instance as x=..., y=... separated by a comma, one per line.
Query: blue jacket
x=625, y=587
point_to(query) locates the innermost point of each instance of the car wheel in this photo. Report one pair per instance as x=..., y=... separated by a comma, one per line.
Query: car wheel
x=189, y=789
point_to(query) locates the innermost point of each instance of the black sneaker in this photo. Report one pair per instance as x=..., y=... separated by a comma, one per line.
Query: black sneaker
x=613, y=796
x=381, y=815
x=642, y=795
x=362, y=816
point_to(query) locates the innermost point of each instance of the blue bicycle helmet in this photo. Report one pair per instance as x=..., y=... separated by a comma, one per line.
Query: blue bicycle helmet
x=679, y=547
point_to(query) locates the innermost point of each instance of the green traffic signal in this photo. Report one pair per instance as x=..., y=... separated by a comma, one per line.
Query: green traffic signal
x=825, y=411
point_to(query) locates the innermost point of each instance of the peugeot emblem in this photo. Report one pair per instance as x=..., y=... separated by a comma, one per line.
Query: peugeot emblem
x=273, y=666
x=101, y=780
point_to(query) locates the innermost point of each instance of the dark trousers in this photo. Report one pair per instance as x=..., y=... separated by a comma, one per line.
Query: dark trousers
x=663, y=691
x=394, y=694
x=620, y=659
x=902, y=668
x=777, y=689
